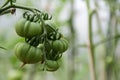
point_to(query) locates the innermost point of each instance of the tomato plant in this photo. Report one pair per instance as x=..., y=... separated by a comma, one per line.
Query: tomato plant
x=43, y=41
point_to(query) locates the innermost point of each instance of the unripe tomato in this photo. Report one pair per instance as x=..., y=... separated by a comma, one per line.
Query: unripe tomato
x=52, y=65
x=28, y=54
x=60, y=45
x=26, y=28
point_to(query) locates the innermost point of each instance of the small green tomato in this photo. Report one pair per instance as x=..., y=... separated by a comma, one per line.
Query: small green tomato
x=28, y=29
x=28, y=54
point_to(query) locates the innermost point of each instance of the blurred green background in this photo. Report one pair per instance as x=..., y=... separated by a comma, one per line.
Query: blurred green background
x=92, y=28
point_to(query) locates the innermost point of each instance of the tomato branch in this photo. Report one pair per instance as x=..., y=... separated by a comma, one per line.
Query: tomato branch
x=90, y=42
x=108, y=39
x=19, y=7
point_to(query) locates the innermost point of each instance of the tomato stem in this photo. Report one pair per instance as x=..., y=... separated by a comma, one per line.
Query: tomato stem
x=23, y=64
x=90, y=42
x=19, y=7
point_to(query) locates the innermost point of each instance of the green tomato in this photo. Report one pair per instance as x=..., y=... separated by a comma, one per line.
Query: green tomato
x=28, y=29
x=60, y=45
x=28, y=54
x=52, y=65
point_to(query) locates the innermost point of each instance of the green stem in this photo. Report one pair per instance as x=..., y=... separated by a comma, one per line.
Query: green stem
x=115, y=45
x=106, y=40
x=102, y=41
x=91, y=46
x=45, y=39
x=5, y=3
x=2, y=48
x=19, y=7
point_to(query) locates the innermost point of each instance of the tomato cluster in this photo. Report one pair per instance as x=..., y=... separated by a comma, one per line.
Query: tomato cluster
x=43, y=41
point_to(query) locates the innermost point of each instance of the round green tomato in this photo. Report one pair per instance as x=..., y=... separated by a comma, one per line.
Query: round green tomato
x=28, y=54
x=52, y=65
x=26, y=28
x=60, y=45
